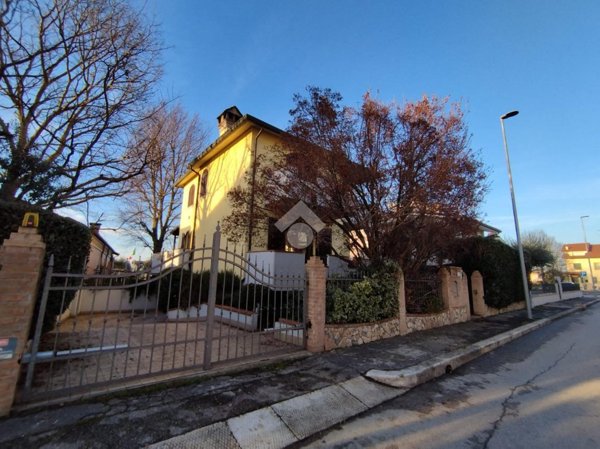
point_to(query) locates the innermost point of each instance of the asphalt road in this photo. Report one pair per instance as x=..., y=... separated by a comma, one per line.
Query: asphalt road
x=540, y=391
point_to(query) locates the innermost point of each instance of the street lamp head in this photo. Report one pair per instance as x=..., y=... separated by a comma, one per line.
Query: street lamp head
x=584, y=216
x=509, y=115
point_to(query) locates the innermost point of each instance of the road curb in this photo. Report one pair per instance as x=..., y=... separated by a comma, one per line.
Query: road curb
x=446, y=363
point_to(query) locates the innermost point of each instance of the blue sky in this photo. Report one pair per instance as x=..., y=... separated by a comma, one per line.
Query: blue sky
x=540, y=57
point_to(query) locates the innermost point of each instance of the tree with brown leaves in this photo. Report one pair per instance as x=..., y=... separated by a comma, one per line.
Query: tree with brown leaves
x=400, y=181
x=74, y=77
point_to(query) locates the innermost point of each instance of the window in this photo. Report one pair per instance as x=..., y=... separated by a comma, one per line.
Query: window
x=203, y=183
x=186, y=240
x=577, y=266
x=191, y=195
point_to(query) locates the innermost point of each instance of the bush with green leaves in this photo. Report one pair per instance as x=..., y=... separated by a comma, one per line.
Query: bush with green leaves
x=428, y=303
x=179, y=288
x=423, y=293
x=67, y=239
x=373, y=298
x=499, y=266
x=570, y=287
x=271, y=304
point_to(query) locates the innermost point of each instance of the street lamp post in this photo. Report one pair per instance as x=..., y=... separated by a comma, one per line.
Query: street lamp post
x=587, y=251
x=514, y=207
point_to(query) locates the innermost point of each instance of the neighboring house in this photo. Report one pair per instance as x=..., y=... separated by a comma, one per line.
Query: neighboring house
x=583, y=263
x=485, y=230
x=102, y=255
x=220, y=168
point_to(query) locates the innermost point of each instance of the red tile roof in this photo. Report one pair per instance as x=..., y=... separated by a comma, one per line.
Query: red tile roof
x=593, y=250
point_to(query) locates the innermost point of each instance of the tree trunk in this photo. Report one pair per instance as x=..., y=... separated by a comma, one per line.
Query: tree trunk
x=8, y=190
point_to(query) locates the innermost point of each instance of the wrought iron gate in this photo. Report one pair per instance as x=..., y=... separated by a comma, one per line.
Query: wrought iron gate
x=207, y=306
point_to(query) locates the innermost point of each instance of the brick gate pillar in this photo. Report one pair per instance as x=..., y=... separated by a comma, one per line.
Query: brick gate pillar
x=21, y=264
x=479, y=306
x=316, y=278
x=455, y=289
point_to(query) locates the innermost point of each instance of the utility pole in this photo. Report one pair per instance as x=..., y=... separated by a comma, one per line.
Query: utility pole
x=587, y=252
x=516, y=216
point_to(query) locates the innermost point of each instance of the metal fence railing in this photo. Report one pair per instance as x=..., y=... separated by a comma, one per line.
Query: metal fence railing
x=540, y=289
x=343, y=281
x=423, y=295
x=570, y=287
x=99, y=330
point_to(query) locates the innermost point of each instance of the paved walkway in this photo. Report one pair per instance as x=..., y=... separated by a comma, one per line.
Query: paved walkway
x=272, y=406
x=139, y=345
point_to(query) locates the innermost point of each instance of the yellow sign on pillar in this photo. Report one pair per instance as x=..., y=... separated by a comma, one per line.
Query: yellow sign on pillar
x=31, y=220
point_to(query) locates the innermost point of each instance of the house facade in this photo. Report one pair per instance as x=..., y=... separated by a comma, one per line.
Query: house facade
x=102, y=255
x=221, y=167
x=583, y=263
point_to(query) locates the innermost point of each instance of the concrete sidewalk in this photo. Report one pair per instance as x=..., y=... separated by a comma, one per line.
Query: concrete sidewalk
x=276, y=405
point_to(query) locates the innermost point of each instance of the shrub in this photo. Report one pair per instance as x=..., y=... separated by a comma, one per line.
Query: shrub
x=424, y=303
x=181, y=289
x=423, y=294
x=432, y=303
x=570, y=287
x=65, y=239
x=271, y=304
x=544, y=288
x=178, y=288
x=373, y=298
x=499, y=265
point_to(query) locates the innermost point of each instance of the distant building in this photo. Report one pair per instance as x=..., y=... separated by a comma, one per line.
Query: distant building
x=102, y=255
x=485, y=230
x=583, y=263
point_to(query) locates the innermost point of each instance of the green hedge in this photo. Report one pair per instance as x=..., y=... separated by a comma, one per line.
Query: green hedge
x=499, y=265
x=423, y=302
x=373, y=298
x=272, y=304
x=181, y=289
x=64, y=237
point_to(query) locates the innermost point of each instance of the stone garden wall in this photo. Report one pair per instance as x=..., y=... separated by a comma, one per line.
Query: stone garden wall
x=455, y=295
x=445, y=318
x=345, y=335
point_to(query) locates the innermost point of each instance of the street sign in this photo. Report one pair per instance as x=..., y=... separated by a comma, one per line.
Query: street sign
x=583, y=274
x=8, y=345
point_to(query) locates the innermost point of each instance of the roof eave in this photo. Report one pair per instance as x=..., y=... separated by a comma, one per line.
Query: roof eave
x=221, y=141
x=105, y=243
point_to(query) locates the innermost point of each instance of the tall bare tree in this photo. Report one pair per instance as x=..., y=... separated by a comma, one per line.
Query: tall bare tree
x=74, y=76
x=400, y=181
x=169, y=139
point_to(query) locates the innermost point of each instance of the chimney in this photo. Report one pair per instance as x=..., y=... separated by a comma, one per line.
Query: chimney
x=227, y=119
x=95, y=227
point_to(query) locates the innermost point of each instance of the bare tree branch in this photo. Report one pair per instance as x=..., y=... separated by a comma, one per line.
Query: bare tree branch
x=170, y=139
x=75, y=77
